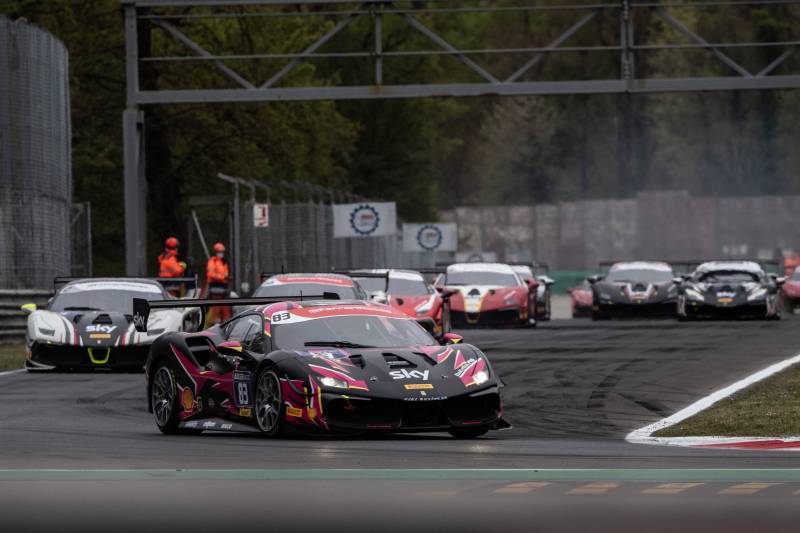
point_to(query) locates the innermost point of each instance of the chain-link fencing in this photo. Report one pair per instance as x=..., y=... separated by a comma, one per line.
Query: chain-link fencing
x=35, y=175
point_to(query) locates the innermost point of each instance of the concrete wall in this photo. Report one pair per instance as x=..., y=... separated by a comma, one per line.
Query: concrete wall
x=670, y=225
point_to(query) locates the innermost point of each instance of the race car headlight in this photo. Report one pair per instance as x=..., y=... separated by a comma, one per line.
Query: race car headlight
x=46, y=332
x=333, y=382
x=511, y=299
x=757, y=294
x=604, y=296
x=693, y=294
x=480, y=377
x=154, y=332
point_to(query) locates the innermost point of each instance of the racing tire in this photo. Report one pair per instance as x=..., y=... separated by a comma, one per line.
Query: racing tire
x=270, y=410
x=467, y=433
x=164, y=399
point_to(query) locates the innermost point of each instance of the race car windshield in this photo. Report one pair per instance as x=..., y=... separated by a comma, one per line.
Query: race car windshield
x=356, y=331
x=309, y=289
x=478, y=277
x=639, y=275
x=728, y=277
x=397, y=287
x=118, y=301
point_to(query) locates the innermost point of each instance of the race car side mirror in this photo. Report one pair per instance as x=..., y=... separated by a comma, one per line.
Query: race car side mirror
x=446, y=293
x=28, y=308
x=594, y=279
x=677, y=280
x=452, y=338
x=780, y=280
x=532, y=283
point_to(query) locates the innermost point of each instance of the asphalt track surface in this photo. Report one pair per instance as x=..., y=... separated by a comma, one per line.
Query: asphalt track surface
x=574, y=388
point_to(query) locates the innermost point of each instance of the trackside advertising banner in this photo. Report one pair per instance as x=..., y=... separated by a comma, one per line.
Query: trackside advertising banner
x=365, y=219
x=430, y=237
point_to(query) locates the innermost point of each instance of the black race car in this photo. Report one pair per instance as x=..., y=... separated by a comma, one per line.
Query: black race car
x=634, y=289
x=729, y=289
x=330, y=366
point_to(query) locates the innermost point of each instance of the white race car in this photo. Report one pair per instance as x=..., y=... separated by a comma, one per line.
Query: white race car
x=89, y=324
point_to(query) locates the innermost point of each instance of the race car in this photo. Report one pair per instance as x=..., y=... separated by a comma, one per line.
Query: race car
x=634, y=289
x=298, y=284
x=729, y=289
x=321, y=366
x=408, y=291
x=791, y=292
x=581, y=296
x=488, y=294
x=535, y=275
x=88, y=324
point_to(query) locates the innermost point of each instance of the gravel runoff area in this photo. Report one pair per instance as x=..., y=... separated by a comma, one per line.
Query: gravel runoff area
x=768, y=408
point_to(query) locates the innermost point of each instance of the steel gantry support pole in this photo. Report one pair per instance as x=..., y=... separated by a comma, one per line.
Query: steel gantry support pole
x=134, y=154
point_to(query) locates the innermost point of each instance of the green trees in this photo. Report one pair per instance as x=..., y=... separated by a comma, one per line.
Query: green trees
x=426, y=154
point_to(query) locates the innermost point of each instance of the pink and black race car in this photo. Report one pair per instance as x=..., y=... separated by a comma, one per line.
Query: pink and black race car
x=407, y=291
x=321, y=365
x=791, y=292
x=488, y=294
x=581, y=299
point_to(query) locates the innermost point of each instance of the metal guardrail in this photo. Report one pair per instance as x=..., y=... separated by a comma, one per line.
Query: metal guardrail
x=13, y=321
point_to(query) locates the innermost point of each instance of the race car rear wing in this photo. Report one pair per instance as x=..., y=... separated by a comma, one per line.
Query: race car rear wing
x=355, y=274
x=142, y=306
x=188, y=282
x=769, y=266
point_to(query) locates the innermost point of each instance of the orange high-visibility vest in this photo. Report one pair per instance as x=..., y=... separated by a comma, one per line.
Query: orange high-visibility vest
x=217, y=271
x=169, y=266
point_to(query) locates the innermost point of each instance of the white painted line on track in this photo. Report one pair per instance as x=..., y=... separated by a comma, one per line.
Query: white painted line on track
x=644, y=435
x=9, y=372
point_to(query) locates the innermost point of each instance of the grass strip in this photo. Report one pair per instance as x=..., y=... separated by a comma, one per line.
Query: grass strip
x=769, y=408
x=12, y=356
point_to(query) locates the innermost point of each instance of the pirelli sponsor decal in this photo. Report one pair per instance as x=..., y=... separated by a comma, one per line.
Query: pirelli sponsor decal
x=418, y=386
x=294, y=411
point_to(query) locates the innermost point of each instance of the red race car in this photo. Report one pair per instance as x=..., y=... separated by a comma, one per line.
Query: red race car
x=408, y=291
x=791, y=292
x=488, y=294
x=581, y=299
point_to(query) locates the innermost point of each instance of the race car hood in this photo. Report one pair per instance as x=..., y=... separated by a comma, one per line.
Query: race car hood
x=635, y=293
x=792, y=288
x=481, y=298
x=420, y=372
x=582, y=297
x=95, y=328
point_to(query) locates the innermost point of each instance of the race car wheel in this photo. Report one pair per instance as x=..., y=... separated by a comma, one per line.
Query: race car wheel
x=467, y=433
x=269, y=404
x=164, y=399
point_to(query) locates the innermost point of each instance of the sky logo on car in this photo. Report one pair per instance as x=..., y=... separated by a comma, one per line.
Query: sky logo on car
x=410, y=374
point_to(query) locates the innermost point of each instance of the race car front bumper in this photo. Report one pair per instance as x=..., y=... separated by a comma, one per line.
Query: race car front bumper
x=636, y=310
x=494, y=318
x=758, y=309
x=362, y=414
x=59, y=356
